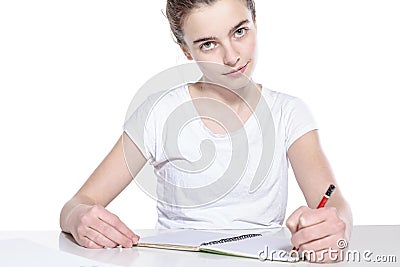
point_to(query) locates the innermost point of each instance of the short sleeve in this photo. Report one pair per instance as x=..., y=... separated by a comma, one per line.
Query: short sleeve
x=299, y=121
x=140, y=127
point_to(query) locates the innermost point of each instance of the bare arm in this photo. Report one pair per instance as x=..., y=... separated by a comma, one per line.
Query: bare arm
x=85, y=216
x=316, y=229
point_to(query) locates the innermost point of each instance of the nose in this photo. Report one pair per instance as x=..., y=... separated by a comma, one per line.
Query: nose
x=231, y=56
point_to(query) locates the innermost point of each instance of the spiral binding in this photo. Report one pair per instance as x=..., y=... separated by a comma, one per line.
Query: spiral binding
x=230, y=239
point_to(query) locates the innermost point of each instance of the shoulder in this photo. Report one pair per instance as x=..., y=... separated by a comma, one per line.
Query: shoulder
x=153, y=107
x=160, y=101
x=282, y=102
x=291, y=115
x=169, y=97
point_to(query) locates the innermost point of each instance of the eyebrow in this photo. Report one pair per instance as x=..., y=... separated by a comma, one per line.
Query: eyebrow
x=230, y=32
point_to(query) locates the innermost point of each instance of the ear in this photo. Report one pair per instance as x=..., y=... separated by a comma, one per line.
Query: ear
x=186, y=52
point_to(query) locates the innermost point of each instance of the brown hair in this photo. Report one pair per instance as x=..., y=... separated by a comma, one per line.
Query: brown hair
x=177, y=10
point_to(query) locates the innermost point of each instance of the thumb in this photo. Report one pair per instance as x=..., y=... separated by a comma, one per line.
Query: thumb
x=293, y=221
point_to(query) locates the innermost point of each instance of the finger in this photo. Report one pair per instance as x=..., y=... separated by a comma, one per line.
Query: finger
x=122, y=234
x=111, y=233
x=122, y=228
x=87, y=243
x=100, y=239
x=113, y=220
x=310, y=233
x=316, y=216
x=113, y=228
x=316, y=232
x=326, y=242
x=292, y=223
x=80, y=235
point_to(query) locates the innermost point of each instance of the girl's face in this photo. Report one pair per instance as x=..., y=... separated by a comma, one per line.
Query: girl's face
x=222, y=33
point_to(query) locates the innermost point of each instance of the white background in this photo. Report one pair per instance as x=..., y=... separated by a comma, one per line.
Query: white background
x=69, y=69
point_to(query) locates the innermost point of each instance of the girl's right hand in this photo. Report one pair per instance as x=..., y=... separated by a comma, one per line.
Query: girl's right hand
x=93, y=226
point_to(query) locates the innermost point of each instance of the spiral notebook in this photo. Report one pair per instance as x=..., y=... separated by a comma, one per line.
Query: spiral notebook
x=273, y=246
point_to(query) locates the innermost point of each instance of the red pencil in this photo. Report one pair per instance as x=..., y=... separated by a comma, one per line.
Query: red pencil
x=323, y=201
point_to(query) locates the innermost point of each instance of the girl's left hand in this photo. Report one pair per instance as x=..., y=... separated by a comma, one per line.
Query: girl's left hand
x=320, y=231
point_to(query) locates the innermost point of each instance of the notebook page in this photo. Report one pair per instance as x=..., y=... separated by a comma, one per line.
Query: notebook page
x=265, y=247
x=185, y=238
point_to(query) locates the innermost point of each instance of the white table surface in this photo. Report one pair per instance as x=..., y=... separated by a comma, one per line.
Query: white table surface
x=373, y=241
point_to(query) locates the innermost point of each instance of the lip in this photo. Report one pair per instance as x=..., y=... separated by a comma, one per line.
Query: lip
x=237, y=71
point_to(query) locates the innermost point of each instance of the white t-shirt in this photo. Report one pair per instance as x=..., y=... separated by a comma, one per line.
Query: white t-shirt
x=204, y=180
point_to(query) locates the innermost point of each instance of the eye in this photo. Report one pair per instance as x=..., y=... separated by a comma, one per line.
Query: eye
x=240, y=32
x=207, y=46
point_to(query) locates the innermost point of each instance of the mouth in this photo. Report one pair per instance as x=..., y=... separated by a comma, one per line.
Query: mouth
x=238, y=71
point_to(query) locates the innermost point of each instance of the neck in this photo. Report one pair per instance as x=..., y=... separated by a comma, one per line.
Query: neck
x=237, y=99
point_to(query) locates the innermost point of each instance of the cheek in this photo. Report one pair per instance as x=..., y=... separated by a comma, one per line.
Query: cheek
x=249, y=47
x=208, y=57
x=249, y=52
x=254, y=53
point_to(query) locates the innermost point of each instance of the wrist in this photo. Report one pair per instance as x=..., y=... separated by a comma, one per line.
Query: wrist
x=70, y=217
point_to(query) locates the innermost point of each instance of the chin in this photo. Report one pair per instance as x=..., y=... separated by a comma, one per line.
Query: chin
x=213, y=73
